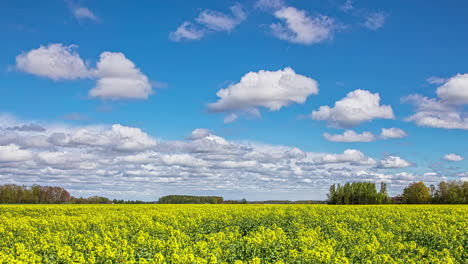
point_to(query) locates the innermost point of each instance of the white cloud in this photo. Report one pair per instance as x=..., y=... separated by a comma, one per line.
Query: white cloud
x=453, y=157
x=434, y=113
x=300, y=28
x=392, y=133
x=352, y=156
x=358, y=106
x=394, y=162
x=118, y=137
x=119, y=78
x=218, y=21
x=199, y=133
x=134, y=165
x=375, y=21
x=270, y=89
x=12, y=153
x=187, y=31
x=350, y=136
x=455, y=90
x=209, y=21
x=84, y=13
x=55, y=61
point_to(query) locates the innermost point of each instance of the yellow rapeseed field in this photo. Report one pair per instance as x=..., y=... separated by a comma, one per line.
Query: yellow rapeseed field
x=233, y=234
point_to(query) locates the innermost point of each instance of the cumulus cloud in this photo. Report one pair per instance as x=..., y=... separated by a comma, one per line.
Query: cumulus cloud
x=431, y=112
x=269, y=89
x=298, y=27
x=117, y=76
x=445, y=112
x=350, y=136
x=12, y=153
x=209, y=21
x=352, y=156
x=199, y=133
x=357, y=107
x=84, y=13
x=134, y=165
x=453, y=157
x=455, y=90
x=375, y=21
x=392, y=133
x=393, y=162
x=54, y=61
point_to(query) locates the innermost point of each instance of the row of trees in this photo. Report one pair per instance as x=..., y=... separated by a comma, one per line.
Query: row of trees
x=452, y=192
x=358, y=193
x=36, y=194
x=11, y=193
x=188, y=199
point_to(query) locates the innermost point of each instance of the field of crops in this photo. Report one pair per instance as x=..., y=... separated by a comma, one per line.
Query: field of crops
x=233, y=234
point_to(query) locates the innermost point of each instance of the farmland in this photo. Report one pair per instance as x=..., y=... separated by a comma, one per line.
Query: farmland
x=233, y=234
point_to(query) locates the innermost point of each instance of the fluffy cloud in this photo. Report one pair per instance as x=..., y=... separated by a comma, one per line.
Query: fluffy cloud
x=358, y=106
x=117, y=77
x=12, y=153
x=84, y=13
x=199, y=133
x=209, y=21
x=270, y=89
x=447, y=111
x=394, y=162
x=348, y=156
x=54, y=61
x=300, y=28
x=392, y=133
x=375, y=21
x=218, y=21
x=366, y=136
x=350, y=136
x=434, y=113
x=134, y=165
x=455, y=90
x=453, y=157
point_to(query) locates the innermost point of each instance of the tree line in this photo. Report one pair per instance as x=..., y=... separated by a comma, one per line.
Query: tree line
x=189, y=199
x=451, y=192
x=36, y=194
x=358, y=193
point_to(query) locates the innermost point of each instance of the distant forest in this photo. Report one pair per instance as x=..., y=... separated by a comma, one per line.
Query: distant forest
x=452, y=192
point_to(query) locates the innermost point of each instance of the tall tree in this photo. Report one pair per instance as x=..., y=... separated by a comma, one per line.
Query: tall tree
x=416, y=193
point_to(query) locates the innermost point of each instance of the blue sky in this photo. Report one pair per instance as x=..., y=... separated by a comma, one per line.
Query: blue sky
x=157, y=66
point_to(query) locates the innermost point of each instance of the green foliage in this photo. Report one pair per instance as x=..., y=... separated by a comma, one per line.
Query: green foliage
x=187, y=199
x=452, y=192
x=13, y=194
x=358, y=193
x=240, y=234
x=416, y=193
